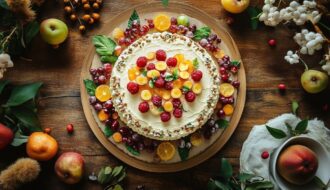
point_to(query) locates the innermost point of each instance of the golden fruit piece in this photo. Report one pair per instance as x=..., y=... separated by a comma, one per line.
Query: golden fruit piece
x=168, y=106
x=166, y=151
x=179, y=57
x=141, y=80
x=96, y=16
x=226, y=89
x=41, y=146
x=86, y=17
x=118, y=50
x=188, y=84
x=166, y=95
x=159, y=91
x=154, y=110
x=86, y=7
x=196, y=139
x=146, y=95
x=197, y=88
x=177, y=83
x=162, y=22
x=235, y=6
x=102, y=115
x=176, y=93
x=102, y=93
x=82, y=28
x=151, y=55
x=228, y=109
x=117, y=137
x=219, y=54
x=161, y=66
x=153, y=74
x=183, y=67
x=184, y=75
x=117, y=33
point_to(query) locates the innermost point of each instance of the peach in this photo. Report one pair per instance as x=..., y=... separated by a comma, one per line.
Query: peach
x=69, y=167
x=297, y=164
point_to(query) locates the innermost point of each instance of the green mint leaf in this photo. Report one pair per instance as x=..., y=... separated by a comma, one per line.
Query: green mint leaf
x=254, y=13
x=183, y=153
x=318, y=183
x=243, y=177
x=160, y=109
x=169, y=78
x=30, y=31
x=104, y=45
x=144, y=72
x=104, y=176
x=134, y=16
x=151, y=83
x=132, y=150
x=290, y=129
x=201, y=33
x=185, y=89
x=27, y=117
x=222, y=123
x=196, y=63
x=108, y=132
x=235, y=63
x=165, y=2
x=117, y=170
x=23, y=93
x=90, y=87
x=276, y=133
x=175, y=74
x=259, y=185
x=3, y=84
x=294, y=106
x=108, y=59
x=301, y=126
x=226, y=170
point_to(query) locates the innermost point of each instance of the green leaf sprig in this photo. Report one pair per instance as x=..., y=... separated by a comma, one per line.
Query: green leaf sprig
x=294, y=107
x=165, y=2
x=184, y=152
x=195, y=63
x=202, y=32
x=105, y=48
x=111, y=177
x=301, y=128
x=134, y=17
x=225, y=180
x=254, y=13
x=90, y=86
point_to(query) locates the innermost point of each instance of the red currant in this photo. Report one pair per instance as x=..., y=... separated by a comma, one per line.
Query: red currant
x=160, y=55
x=264, y=155
x=282, y=87
x=132, y=87
x=197, y=75
x=272, y=42
x=69, y=128
x=165, y=116
x=144, y=107
x=171, y=62
x=190, y=96
x=141, y=61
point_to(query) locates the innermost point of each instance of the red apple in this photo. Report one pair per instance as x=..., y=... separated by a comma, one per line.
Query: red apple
x=69, y=167
x=6, y=136
x=297, y=164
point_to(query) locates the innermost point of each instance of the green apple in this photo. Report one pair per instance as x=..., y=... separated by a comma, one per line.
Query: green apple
x=314, y=81
x=53, y=31
x=235, y=6
x=183, y=20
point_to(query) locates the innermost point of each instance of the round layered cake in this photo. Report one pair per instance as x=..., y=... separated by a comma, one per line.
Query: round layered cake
x=165, y=86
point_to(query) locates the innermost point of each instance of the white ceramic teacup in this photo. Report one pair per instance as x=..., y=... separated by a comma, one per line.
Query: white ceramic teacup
x=323, y=171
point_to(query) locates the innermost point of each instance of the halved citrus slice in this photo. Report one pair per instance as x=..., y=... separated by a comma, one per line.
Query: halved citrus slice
x=166, y=151
x=226, y=89
x=102, y=93
x=196, y=139
x=162, y=22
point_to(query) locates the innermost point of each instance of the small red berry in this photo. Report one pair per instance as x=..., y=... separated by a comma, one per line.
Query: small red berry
x=272, y=42
x=168, y=85
x=223, y=70
x=176, y=103
x=264, y=155
x=107, y=67
x=177, y=112
x=141, y=61
x=160, y=55
x=197, y=75
x=160, y=82
x=165, y=116
x=225, y=77
x=156, y=100
x=151, y=66
x=190, y=96
x=69, y=128
x=132, y=87
x=171, y=62
x=144, y=107
x=221, y=113
x=282, y=87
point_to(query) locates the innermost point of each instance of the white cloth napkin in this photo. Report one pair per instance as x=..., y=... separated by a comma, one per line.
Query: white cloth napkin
x=260, y=140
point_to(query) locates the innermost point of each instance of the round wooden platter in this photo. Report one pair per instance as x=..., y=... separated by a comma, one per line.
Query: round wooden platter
x=230, y=48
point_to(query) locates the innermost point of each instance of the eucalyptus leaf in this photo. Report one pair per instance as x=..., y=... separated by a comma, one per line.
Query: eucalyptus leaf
x=301, y=126
x=108, y=132
x=165, y=2
x=117, y=170
x=134, y=16
x=294, y=106
x=202, y=32
x=3, y=84
x=226, y=170
x=121, y=176
x=104, y=45
x=90, y=87
x=132, y=150
x=18, y=141
x=183, y=153
x=23, y=93
x=276, y=133
x=27, y=117
x=243, y=177
x=254, y=16
x=222, y=123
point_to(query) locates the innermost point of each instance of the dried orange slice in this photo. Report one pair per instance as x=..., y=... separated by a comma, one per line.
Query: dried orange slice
x=117, y=137
x=196, y=139
x=166, y=151
x=176, y=93
x=197, y=88
x=179, y=57
x=103, y=93
x=161, y=66
x=102, y=115
x=184, y=75
x=151, y=55
x=145, y=95
x=168, y=106
x=226, y=89
x=162, y=22
x=219, y=54
x=228, y=109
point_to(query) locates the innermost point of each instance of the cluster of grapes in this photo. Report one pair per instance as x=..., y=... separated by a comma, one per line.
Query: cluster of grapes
x=133, y=33
x=211, y=43
x=226, y=68
x=187, y=30
x=102, y=74
x=210, y=128
x=90, y=7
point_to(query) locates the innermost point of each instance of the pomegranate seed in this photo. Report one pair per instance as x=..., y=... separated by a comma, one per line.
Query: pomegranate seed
x=69, y=128
x=264, y=155
x=272, y=42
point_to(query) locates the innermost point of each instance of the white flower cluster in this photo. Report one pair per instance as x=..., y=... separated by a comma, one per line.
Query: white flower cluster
x=5, y=62
x=309, y=41
x=298, y=13
x=326, y=66
x=292, y=58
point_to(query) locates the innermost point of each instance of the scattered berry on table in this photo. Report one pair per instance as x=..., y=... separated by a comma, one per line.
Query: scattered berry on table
x=272, y=42
x=282, y=87
x=264, y=155
x=47, y=130
x=69, y=128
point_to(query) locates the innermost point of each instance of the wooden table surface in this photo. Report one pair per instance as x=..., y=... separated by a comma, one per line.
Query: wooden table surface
x=60, y=97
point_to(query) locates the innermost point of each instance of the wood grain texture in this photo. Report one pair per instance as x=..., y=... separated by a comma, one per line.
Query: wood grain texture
x=60, y=97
